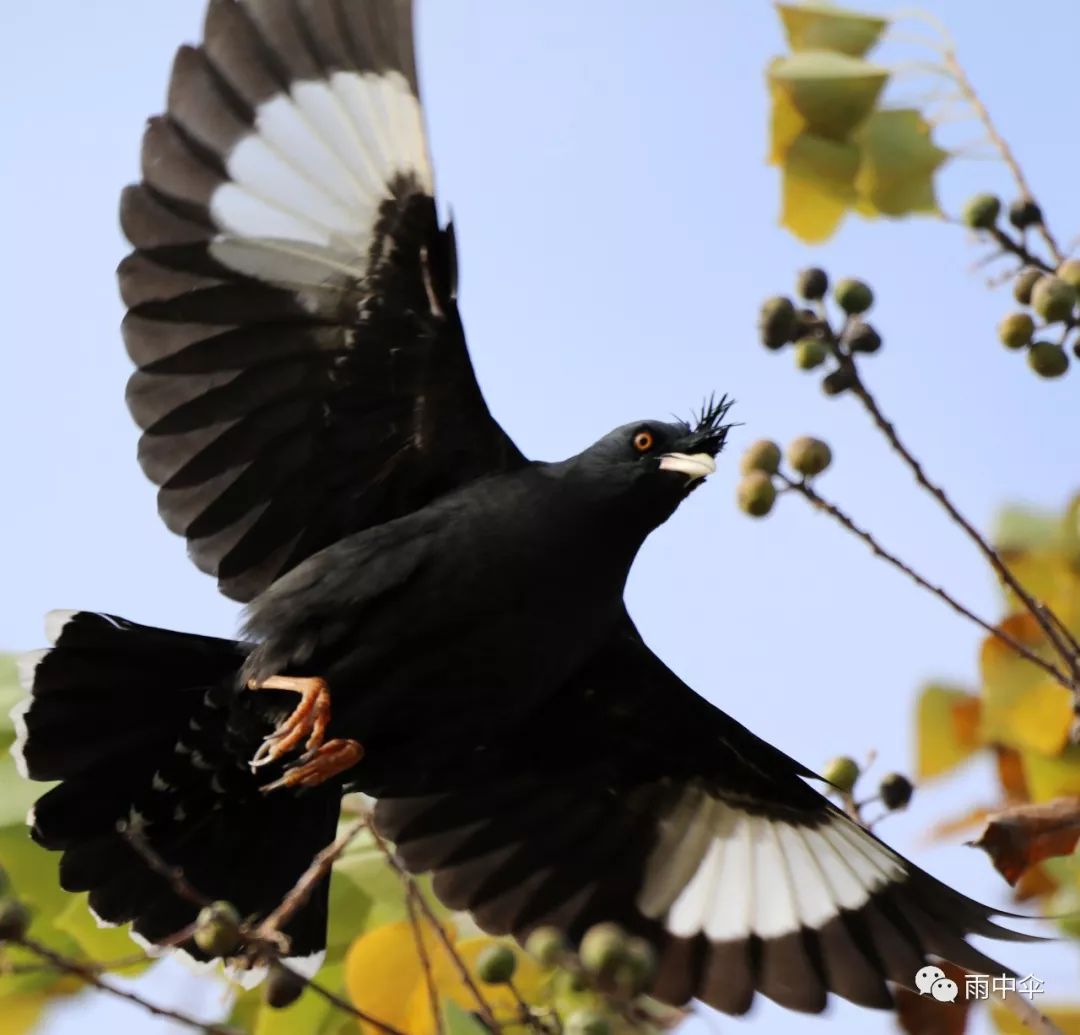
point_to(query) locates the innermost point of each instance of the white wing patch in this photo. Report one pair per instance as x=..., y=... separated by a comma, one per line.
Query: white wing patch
x=727, y=873
x=314, y=171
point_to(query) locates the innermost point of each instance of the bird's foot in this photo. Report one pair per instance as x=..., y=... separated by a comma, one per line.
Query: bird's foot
x=305, y=725
x=319, y=765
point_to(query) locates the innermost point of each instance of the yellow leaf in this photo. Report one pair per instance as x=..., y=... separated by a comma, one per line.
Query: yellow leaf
x=1066, y=1017
x=897, y=163
x=785, y=123
x=21, y=1011
x=819, y=175
x=385, y=978
x=832, y=92
x=1022, y=706
x=947, y=726
x=814, y=26
x=1048, y=778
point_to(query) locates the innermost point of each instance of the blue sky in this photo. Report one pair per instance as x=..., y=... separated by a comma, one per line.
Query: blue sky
x=617, y=230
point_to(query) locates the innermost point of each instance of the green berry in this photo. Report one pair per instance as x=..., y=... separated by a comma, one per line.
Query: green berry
x=1053, y=299
x=496, y=964
x=1023, y=212
x=809, y=456
x=1069, y=271
x=837, y=382
x=763, y=455
x=1025, y=281
x=217, y=929
x=283, y=987
x=756, y=494
x=1048, y=359
x=603, y=948
x=1015, y=330
x=853, y=296
x=546, y=945
x=842, y=772
x=981, y=211
x=895, y=791
x=809, y=353
x=812, y=284
x=777, y=323
x=861, y=337
x=635, y=974
x=587, y=1022
x=14, y=920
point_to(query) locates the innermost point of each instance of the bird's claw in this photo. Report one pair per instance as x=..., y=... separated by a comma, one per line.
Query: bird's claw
x=306, y=724
x=323, y=763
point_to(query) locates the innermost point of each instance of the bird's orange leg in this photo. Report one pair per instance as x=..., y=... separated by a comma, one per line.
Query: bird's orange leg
x=306, y=724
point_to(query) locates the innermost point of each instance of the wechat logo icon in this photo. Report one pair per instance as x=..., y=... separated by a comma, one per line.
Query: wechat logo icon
x=932, y=981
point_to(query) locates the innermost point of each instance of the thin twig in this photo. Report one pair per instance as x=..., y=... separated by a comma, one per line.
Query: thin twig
x=173, y=874
x=1017, y=248
x=528, y=1017
x=90, y=977
x=1029, y=1015
x=483, y=1006
x=315, y=874
x=341, y=1004
x=266, y=941
x=991, y=555
x=835, y=512
x=959, y=76
x=425, y=959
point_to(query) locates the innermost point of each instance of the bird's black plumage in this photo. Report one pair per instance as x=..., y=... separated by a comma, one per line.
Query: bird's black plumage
x=310, y=415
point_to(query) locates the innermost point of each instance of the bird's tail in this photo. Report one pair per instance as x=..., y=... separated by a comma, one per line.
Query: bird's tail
x=138, y=726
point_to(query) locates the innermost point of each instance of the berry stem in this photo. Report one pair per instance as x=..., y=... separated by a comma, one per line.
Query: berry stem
x=959, y=76
x=483, y=1006
x=1014, y=247
x=1037, y=610
x=425, y=959
x=89, y=975
x=816, y=500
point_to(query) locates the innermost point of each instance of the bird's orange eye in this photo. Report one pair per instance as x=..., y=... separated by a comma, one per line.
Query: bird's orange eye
x=643, y=441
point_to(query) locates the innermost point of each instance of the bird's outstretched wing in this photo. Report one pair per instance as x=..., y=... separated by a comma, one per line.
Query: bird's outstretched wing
x=302, y=369
x=634, y=800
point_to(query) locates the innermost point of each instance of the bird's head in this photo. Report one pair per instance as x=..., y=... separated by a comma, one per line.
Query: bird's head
x=657, y=464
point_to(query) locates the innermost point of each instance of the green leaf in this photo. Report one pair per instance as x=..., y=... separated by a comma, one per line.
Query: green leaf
x=897, y=163
x=458, y=1021
x=824, y=27
x=1025, y=528
x=311, y=1013
x=103, y=944
x=832, y=92
x=10, y=694
x=16, y=794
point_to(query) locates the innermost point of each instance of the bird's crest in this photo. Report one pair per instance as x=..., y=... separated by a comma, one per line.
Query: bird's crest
x=706, y=426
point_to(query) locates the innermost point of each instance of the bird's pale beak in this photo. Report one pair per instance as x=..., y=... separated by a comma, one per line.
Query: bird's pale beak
x=693, y=465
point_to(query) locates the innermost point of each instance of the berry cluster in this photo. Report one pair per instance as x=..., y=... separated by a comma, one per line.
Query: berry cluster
x=808, y=329
x=1050, y=298
x=760, y=466
x=894, y=791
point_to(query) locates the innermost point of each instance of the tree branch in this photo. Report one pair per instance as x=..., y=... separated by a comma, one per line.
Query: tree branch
x=89, y=975
x=483, y=1006
x=818, y=501
x=1037, y=610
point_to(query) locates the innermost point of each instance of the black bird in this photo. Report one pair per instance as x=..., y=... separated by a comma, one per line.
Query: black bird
x=449, y=613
